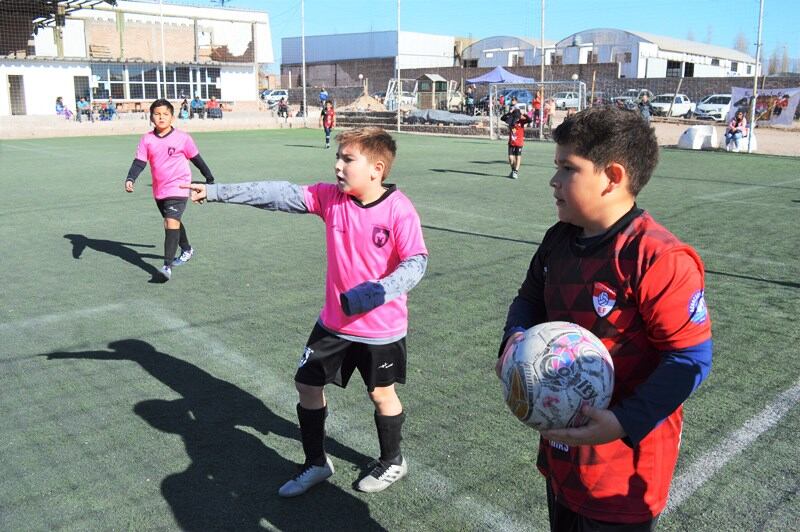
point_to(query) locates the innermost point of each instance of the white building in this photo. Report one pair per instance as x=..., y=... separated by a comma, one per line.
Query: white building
x=417, y=50
x=117, y=51
x=643, y=55
x=504, y=51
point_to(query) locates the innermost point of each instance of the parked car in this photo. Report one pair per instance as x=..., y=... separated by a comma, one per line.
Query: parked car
x=567, y=99
x=599, y=98
x=631, y=98
x=272, y=97
x=524, y=99
x=682, y=105
x=713, y=107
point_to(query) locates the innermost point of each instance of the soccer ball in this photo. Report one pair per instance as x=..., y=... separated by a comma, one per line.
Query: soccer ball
x=556, y=369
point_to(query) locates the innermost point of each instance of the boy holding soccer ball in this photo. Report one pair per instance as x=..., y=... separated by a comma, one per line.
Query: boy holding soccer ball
x=376, y=254
x=609, y=267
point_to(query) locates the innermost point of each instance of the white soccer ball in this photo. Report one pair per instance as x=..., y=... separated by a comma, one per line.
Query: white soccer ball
x=556, y=369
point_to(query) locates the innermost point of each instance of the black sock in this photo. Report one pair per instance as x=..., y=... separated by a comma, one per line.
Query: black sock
x=312, y=432
x=184, y=240
x=171, y=244
x=389, y=437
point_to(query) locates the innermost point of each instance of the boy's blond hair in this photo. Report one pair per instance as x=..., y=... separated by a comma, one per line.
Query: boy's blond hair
x=375, y=143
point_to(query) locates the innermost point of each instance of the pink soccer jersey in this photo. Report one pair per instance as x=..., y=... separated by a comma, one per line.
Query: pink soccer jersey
x=168, y=157
x=365, y=244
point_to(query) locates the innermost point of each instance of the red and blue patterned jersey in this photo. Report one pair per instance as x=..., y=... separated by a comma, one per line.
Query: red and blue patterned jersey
x=640, y=290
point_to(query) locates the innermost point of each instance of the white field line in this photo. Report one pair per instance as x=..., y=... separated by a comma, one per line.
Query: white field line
x=49, y=319
x=746, y=189
x=279, y=391
x=708, y=464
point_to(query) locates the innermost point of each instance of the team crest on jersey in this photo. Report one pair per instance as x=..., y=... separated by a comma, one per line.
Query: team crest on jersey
x=380, y=236
x=603, y=298
x=170, y=151
x=698, y=312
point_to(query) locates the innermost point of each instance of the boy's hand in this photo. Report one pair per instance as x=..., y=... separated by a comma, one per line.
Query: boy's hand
x=128, y=185
x=603, y=427
x=511, y=344
x=198, y=192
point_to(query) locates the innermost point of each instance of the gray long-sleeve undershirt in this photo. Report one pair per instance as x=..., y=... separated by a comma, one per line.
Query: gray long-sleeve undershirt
x=270, y=195
x=288, y=197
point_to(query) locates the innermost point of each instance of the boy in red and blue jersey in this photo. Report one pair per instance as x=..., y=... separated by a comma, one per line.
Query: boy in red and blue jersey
x=327, y=121
x=516, y=120
x=168, y=151
x=376, y=254
x=608, y=266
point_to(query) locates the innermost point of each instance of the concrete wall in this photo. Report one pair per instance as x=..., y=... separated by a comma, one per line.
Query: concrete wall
x=43, y=84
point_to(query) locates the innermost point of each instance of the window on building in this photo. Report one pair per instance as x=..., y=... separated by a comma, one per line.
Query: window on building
x=591, y=57
x=688, y=71
x=628, y=57
x=749, y=69
x=734, y=66
x=151, y=81
x=557, y=60
x=674, y=69
x=470, y=63
x=715, y=62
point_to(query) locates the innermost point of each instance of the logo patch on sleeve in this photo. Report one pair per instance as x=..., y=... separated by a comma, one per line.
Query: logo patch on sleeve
x=698, y=312
x=603, y=298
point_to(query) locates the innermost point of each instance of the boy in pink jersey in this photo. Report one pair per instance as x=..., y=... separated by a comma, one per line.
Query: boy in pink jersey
x=167, y=150
x=376, y=254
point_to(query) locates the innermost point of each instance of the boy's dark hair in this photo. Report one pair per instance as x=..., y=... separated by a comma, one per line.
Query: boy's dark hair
x=375, y=143
x=161, y=102
x=607, y=134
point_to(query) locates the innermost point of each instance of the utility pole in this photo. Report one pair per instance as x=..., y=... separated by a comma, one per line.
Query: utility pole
x=755, y=80
x=303, y=46
x=541, y=76
x=397, y=68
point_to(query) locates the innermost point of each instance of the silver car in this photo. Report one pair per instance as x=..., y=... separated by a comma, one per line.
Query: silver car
x=714, y=107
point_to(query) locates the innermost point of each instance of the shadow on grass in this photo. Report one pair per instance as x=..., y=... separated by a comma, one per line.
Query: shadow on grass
x=724, y=182
x=305, y=146
x=233, y=478
x=117, y=249
x=480, y=235
x=466, y=172
x=787, y=284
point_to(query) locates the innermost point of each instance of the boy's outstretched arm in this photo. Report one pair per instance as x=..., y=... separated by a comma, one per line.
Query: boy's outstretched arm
x=270, y=195
x=372, y=294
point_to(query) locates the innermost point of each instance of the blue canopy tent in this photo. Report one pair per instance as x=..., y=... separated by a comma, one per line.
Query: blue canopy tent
x=500, y=75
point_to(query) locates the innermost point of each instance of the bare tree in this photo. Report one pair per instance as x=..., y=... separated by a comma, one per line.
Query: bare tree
x=741, y=43
x=785, y=62
x=774, y=63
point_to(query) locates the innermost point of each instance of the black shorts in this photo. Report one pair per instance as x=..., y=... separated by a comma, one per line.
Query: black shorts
x=562, y=519
x=172, y=207
x=515, y=150
x=330, y=359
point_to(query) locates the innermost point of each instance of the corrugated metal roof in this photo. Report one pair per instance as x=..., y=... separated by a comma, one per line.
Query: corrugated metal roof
x=698, y=48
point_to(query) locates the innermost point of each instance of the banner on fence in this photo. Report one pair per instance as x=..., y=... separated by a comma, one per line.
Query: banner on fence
x=773, y=106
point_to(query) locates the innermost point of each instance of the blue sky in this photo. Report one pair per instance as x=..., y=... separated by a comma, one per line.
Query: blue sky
x=714, y=21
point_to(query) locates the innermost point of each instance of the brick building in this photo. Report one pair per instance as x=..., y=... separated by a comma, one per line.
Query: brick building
x=100, y=49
